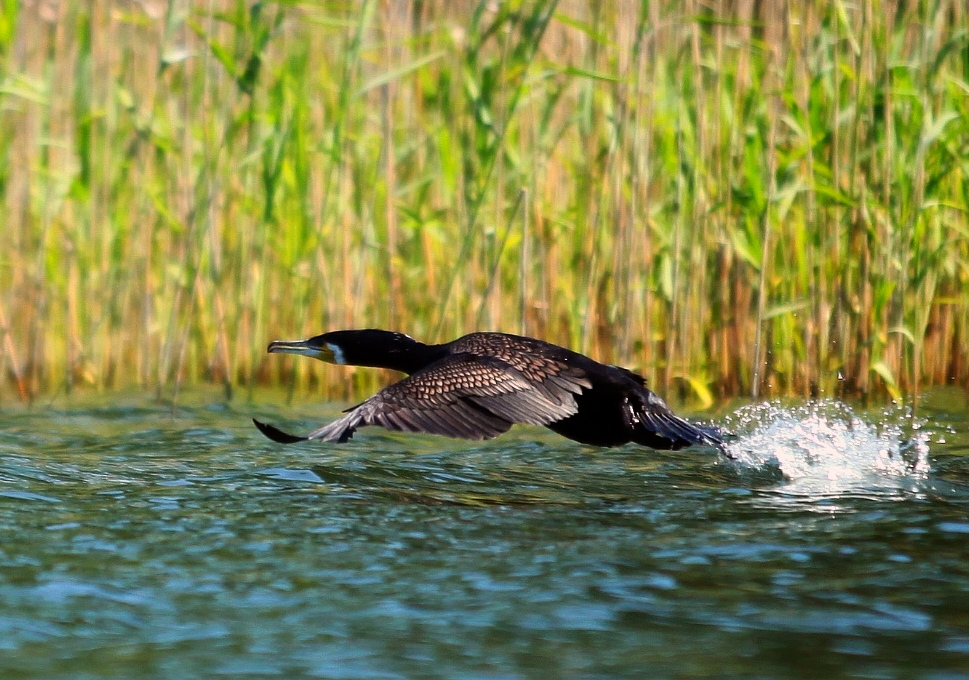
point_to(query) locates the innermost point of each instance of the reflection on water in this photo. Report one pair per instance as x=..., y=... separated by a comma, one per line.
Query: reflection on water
x=137, y=543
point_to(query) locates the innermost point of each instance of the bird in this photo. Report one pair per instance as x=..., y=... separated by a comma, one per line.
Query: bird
x=479, y=385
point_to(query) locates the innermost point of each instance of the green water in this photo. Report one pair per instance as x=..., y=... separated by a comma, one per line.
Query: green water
x=141, y=544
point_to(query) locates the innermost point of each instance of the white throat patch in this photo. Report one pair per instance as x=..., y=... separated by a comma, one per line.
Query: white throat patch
x=338, y=357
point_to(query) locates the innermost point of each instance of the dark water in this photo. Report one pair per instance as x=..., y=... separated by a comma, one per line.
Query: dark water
x=138, y=544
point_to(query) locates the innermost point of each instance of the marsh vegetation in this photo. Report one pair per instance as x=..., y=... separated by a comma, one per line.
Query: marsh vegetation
x=732, y=198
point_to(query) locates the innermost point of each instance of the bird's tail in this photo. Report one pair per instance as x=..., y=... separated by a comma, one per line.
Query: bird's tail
x=655, y=425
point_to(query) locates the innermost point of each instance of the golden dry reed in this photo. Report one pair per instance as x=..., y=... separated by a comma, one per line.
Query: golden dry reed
x=735, y=198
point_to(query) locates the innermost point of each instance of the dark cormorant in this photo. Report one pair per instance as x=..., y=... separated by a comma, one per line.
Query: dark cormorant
x=478, y=386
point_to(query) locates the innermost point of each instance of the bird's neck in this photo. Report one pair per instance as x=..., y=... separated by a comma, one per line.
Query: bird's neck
x=406, y=358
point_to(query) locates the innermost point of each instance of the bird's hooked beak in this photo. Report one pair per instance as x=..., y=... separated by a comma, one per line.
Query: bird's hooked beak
x=325, y=352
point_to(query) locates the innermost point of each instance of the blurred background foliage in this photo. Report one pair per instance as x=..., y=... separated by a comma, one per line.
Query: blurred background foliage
x=732, y=197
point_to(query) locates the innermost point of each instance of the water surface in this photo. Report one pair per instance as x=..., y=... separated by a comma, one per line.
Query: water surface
x=142, y=542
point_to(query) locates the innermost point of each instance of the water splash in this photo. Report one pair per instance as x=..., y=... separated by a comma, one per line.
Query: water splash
x=824, y=448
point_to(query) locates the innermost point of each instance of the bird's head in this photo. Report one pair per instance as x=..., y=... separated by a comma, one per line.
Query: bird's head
x=368, y=347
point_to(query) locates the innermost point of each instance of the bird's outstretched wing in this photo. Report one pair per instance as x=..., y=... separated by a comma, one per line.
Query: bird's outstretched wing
x=462, y=395
x=549, y=368
x=276, y=434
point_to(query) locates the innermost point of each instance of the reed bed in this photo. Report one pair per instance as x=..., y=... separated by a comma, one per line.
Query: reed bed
x=735, y=198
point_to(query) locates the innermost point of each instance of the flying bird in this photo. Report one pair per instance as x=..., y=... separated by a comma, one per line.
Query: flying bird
x=478, y=386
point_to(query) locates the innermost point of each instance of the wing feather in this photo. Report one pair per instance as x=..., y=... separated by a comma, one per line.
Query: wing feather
x=548, y=368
